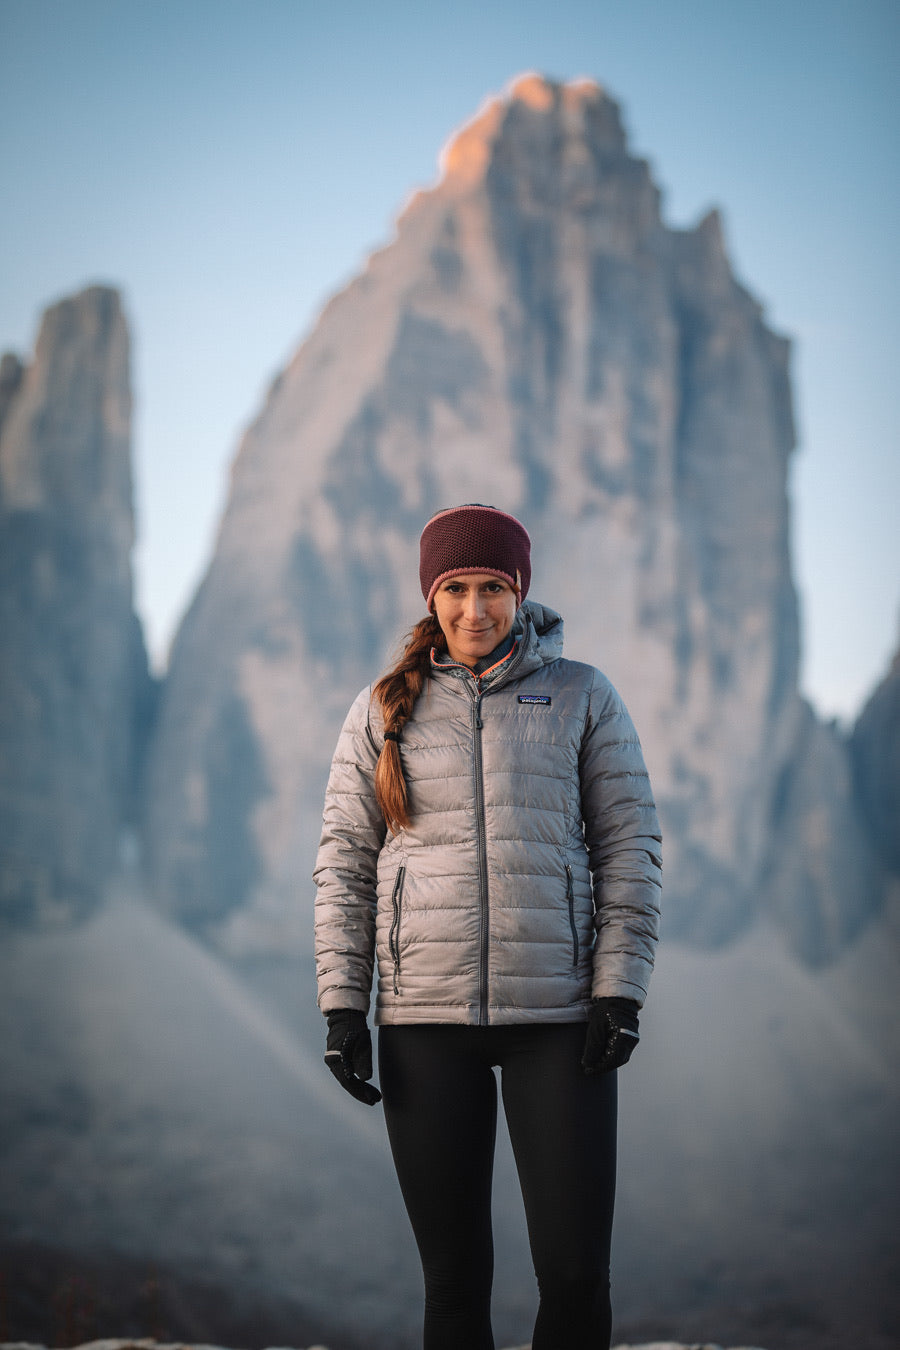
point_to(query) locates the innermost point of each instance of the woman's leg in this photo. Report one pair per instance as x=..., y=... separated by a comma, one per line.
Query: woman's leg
x=440, y=1104
x=563, y=1130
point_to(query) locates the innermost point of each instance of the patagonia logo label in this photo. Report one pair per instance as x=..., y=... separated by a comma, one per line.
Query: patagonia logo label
x=535, y=698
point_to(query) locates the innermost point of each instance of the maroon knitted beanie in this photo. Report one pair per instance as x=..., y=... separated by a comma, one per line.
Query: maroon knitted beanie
x=474, y=538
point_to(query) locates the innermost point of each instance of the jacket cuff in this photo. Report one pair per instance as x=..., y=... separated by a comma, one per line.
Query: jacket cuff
x=334, y=1000
x=618, y=988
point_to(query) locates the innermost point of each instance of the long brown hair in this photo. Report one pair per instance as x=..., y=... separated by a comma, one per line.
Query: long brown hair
x=397, y=692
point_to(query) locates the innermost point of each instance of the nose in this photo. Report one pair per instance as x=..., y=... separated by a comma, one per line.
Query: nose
x=474, y=607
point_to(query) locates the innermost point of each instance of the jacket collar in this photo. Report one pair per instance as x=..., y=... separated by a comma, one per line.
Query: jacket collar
x=537, y=639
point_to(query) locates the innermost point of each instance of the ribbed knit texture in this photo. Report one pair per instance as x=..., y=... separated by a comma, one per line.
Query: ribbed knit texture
x=474, y=538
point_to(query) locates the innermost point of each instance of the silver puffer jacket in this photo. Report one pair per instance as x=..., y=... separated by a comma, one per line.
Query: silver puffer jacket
x=529, y=879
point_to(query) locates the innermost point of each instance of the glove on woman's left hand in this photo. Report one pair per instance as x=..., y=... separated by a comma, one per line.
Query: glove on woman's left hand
x=612, y=1034
x=348, y=1054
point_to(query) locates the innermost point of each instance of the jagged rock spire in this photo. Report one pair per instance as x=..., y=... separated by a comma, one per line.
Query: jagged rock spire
x=534, y=336
x=76, y=692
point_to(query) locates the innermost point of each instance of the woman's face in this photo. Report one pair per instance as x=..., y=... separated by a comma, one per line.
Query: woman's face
x=475, y=611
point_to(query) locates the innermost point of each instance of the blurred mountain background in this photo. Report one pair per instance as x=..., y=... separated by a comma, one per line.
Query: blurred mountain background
x=537, y=337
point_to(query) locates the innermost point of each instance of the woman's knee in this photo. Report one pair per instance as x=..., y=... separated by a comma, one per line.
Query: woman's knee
x=576, y=1285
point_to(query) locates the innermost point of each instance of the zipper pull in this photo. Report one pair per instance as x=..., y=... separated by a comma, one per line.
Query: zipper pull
x=479, y=725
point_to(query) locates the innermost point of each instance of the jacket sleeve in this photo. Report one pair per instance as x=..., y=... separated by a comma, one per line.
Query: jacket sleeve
x=624, y=845
x=353, y=831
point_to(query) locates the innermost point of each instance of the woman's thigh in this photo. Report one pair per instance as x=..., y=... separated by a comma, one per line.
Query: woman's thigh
x=440, y=1104
x=562, y=1124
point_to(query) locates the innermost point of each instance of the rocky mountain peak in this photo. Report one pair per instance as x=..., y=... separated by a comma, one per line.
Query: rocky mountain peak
x=66, y=437
x=532, y=112
x=76, y=691
x=534, y=336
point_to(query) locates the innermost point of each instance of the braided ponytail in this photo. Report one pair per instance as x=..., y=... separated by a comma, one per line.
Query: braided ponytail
x=397, y=693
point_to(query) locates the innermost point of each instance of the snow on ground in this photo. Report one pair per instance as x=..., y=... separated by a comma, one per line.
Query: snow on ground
x=154, y=1345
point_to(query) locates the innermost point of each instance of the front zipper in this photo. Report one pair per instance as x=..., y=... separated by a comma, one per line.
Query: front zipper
x=478, y=771
x=570, y=895
x=394, y=934
x=472, y=686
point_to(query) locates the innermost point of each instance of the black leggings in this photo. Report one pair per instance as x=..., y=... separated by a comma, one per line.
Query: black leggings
x=440, y=1103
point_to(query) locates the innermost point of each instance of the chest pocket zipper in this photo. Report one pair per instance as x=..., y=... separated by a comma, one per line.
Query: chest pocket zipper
x=394, y=935
x=570, y=895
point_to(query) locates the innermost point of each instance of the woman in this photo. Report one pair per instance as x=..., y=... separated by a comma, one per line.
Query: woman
x=490, y=843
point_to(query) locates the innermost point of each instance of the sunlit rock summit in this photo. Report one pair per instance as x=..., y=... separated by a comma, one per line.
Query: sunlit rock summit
x=535, y=337
x=75, y=693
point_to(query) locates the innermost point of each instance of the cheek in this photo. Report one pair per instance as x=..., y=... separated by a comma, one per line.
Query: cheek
x=506, y=611
x=443, y=612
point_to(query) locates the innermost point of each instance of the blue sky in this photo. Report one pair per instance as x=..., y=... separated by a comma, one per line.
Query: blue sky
x=229, y=164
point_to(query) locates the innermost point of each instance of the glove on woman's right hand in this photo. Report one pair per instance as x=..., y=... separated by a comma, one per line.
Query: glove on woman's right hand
x=612, y=1034
x=348, y=1054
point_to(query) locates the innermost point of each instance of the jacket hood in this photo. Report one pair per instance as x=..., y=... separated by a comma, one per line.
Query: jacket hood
x=541, y=629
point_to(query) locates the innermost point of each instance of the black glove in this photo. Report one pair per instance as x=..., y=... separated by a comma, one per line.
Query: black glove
x=348, y=1054
x=612, y=1034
